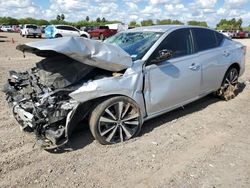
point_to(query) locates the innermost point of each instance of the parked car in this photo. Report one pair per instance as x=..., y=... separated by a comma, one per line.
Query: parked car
x=55, y=31
x=102, y=32
x=247, y=34
x=118, y=27
x=118, y=84
x=6, y=28
x=16, y=28
x=43, y=28
x=31, y=30
x=240, y=34
x=226, y=33
x=87, y=28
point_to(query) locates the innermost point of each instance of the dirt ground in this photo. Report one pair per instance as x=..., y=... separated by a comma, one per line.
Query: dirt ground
x=206, y=144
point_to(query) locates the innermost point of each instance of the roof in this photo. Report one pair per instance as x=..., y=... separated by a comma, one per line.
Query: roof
x=162, y=28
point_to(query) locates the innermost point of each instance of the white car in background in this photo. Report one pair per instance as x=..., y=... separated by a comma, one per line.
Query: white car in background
x=226, y=33
x=6, y=28
x=31, y=30
x=56, y=31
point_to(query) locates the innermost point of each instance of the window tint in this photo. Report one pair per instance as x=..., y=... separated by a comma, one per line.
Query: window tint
x=71, y=28
x=60, y=27
x=68, y=28
x=179, y=42
x=220, y=38
x=205, y=39
x=31, y=26
x=103, y=27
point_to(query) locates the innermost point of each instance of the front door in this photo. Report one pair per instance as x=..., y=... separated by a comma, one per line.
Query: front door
x=175, y=81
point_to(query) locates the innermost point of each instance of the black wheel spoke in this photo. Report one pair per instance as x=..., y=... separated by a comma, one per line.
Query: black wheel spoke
x=121, y=135
x=110, y=113
x=108, y=130
x=127, y=131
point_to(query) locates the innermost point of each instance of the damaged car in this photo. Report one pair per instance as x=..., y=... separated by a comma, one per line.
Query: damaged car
x=116, y=85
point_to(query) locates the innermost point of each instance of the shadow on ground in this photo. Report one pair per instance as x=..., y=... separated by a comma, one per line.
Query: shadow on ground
x=82, y=136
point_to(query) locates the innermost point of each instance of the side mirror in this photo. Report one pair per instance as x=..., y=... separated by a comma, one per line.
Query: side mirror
x=163, y=55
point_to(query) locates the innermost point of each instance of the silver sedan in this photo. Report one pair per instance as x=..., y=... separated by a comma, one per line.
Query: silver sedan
x=117, y=85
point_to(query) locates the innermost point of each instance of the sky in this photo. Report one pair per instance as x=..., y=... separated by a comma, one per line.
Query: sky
x=210, y=11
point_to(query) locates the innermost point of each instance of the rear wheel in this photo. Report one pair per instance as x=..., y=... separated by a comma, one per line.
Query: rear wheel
x=115, y=120
x=58, y=35
x=228, y=87
x=84, y=36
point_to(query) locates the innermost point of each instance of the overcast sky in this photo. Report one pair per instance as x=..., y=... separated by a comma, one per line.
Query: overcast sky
x=210, y=11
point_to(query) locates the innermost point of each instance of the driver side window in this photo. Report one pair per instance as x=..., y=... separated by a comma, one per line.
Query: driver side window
x=179, y=42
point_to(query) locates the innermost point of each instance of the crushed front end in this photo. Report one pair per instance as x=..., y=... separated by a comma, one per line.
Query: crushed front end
x=41, y=97
x=41, y=102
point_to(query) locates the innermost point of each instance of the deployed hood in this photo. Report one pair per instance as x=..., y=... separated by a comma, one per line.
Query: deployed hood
x=91, y=52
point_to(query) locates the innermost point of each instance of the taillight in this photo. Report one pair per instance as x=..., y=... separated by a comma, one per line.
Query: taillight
x=244, y=48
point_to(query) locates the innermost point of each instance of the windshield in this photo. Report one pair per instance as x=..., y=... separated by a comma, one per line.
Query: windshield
x=31, y=26
x=136, y=44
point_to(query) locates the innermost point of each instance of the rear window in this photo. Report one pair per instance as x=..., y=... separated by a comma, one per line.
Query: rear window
x=205, y=39
x=103, y=27
x=220, y=38
x=31, y=26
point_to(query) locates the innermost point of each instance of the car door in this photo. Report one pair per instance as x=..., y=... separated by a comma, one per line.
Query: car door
x=74, y=32
x=62, y=30
x=173, y=82
x=213, y=58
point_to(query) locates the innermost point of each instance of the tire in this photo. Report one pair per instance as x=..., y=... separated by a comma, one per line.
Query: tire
x=228, y=87
x=58, y=35
x=101, y=37
x=115, y=120
x=84, y=36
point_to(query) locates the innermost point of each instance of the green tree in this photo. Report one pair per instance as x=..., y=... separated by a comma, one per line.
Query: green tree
x=147, y=22
x=62, y=17
x=197, y=23
x=103, y=20
x=87, y=18
x=232, y=24
x=169, y=22
x=133, y=24
x=42, y=22
x=98, y=19
x=58, y=17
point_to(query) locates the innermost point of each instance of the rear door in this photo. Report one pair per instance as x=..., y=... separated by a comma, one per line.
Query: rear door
x=176, y=81
x=213, y=57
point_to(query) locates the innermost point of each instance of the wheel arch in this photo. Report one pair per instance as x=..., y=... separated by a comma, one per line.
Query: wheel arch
x=84, y=109
x=234, y=65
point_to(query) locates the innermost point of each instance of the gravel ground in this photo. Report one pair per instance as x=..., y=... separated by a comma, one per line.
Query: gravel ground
x=206, y=144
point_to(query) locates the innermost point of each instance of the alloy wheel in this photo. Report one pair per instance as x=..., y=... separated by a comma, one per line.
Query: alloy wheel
x=119, y=122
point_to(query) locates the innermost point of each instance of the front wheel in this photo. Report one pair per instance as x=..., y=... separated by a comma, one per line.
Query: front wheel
x=228, y=87
x=115, y=120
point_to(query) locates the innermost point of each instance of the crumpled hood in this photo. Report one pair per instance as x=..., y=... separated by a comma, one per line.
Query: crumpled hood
x=91, y=52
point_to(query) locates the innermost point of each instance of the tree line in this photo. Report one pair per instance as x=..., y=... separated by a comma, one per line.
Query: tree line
x=230, y=24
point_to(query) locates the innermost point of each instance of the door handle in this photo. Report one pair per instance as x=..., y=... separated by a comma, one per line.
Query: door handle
x=194, y=67
x=226, y=53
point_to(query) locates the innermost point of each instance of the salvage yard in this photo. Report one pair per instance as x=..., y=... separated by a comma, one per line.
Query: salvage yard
x=206, y=144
